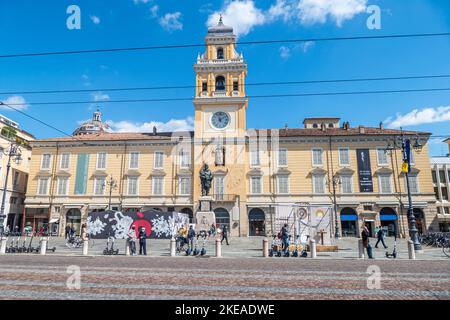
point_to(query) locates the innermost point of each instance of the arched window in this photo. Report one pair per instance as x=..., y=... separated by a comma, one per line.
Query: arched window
x=315, y=125
x=189, y=212
x=222, y=217
x=220, y=83
x=220, y=54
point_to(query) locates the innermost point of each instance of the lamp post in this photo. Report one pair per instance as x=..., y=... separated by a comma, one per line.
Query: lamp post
x=405, y=145
x=112, y=183
x=334, y=182
x=13, y=152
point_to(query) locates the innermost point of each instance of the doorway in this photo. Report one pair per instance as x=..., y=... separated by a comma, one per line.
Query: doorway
x=370, y=224
x=257, y=222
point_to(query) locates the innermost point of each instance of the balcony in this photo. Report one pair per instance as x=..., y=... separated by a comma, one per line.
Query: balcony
x=220, y=94
x=220, y=61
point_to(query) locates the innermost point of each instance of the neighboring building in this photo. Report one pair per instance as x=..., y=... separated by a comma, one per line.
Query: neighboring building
x=18, y=174
x=255, y=171
x=440, y=170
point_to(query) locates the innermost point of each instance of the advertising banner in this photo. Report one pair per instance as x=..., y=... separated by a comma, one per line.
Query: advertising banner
x=364, y=170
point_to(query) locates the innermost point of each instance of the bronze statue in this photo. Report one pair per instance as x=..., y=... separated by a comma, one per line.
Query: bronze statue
x=206, y=178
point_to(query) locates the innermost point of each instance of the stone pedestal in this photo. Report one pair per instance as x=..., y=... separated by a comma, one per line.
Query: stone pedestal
x=205, y=217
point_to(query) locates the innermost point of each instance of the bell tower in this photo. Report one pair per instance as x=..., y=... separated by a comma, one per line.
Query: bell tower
x=220, y=101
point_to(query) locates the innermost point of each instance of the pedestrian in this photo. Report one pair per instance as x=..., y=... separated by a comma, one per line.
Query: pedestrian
x=67, y=232
x=285, y=238
x=191, y=236
x=365, y=238
x=6, y=231
x=131, y=238
x=225, y=234
x=212, y=231
x=72, y=232
x=84, y=233
x=380, y=237
x=142, y=241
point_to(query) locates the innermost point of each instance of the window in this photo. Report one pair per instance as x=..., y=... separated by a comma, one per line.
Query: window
x=446, y=210
x=185, y=185
x=255, y=159
x=412, y=157
x=256, y=185
x=101, y=160
x=315, y=125
x=158, y=185
x=282, y=157
x=330, y=125
x=204, y=86
x=99, y=186
x=235, y=85
x=385, y=183
x=434, y=175
x=134, y=160
x=220, y=83
x=184, y=159
x=444, y=193
x=219, y=187
x=436, y=193
x=45, y=164
x=159, y=160
x=317, y=157
x=368, y=208
x=283, y=184
x=220, y=54
x=344, y=157
x=62, y=186
x=42, y=186
x=132, y=186
x=439, y=211
x=346, y=184
x=16, y=179
x=442, y=176
x=413, y=183
x=382, y=157
x=65, y=161
x=319, y=184
x=13, y=200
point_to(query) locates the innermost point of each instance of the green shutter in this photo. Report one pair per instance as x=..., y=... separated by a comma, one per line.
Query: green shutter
x=82, y=173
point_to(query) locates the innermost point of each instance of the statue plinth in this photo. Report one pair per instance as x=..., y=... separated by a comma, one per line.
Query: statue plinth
x=205, y=203
x=205, y=217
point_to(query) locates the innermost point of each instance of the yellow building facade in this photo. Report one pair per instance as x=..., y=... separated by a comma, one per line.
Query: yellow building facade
x=255, y=172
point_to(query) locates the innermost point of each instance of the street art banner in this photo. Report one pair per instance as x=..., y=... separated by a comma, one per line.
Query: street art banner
x=158, y=225
x=364, y=170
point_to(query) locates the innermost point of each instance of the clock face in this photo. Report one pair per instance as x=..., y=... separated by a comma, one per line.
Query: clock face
x=220, y=120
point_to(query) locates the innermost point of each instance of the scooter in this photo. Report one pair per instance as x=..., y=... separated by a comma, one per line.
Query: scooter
x=109, y=250
x=394, y=251
x=30, y=247
x=23, y=248
x=10, y=248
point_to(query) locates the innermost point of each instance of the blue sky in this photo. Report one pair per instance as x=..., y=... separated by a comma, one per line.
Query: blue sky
x=31, y=26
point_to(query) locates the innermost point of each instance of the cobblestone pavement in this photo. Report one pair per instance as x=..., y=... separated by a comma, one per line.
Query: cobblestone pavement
x=252, y=247
x=120, y=277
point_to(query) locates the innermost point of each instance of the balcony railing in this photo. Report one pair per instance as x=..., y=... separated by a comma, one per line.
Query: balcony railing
x=219, y=61
x=219, y=94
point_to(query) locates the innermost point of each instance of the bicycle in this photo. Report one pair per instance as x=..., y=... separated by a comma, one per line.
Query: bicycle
x=74, y=242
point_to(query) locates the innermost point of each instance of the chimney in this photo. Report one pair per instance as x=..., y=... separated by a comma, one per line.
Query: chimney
x=154, y=130
x=346, y=125
x=381, y=125
x=362, y=129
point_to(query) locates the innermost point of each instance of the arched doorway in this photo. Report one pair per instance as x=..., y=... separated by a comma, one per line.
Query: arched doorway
x=73, y=219
x=257, y=222
x=222, y=217
x=388, y=219
x=189, y=212
x=349, y=222
x=420, y=220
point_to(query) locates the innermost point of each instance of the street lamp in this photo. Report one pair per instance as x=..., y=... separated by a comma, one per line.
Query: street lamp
x=112, y=183
x=15, y=153
x=400, y=142
x=334, y=182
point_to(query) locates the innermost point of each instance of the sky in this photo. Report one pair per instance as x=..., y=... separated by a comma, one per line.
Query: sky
x=41, y=26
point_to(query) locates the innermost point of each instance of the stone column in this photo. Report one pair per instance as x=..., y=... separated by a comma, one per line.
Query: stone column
x=44, y=245
x=172, y=247
x=218, y=248
x=265, y=247
x=313, y=248
x=3, y=241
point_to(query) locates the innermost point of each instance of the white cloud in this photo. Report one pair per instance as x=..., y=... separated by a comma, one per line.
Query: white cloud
x=418, y=117
x=141, y=1
x=100, y=96
x=17, y=102
x=171, y=21
x=95, y=19
x=285, y=52
x=242, y=15
x=154, y=11
x=305, y=46
x=172, y=125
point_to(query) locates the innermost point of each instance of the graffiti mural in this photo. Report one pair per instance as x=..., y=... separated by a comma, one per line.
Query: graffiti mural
x=158, y=225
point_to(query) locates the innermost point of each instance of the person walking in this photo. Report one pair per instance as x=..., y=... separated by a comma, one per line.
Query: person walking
x=131, y=237
x=225, y=234
x=67, y=232
x=285, y=237
x=142, y=241
x=212, y=231
x=191, y=237
x=84, y=233
x=380, y=237
x=365, y=238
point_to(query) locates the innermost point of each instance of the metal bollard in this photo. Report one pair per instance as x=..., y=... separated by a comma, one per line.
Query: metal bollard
x=3, y=241
x=411, y=251
x=44, y=245
x=313, y=247
x=127, y=248
x=172, y=247
x=218, y=248
x=265, y=248
x=360, y=249
x=85, y=247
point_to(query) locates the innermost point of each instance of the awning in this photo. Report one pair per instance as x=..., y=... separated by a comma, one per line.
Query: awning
x=388, y=217
x=349, y=217
x=54, y=220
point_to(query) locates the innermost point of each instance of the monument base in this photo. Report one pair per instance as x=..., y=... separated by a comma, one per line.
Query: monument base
x=204, y=221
